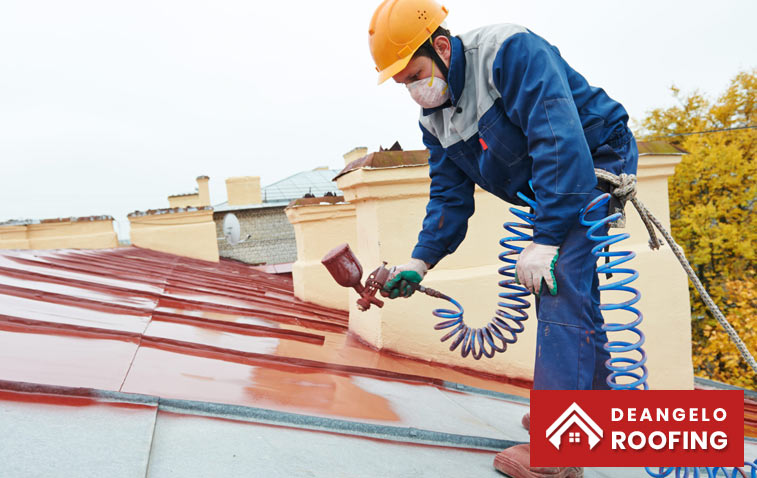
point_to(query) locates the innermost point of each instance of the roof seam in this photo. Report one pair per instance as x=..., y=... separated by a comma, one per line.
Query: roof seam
x=152, y=441
x=272, y=417
x=310, y=422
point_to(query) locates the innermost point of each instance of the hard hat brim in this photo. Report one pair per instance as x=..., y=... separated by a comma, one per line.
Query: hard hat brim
x=394, y=68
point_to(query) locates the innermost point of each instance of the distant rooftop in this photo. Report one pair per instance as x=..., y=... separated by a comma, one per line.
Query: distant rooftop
x=19, y=222
x=184, y=194
x=317, y=182
x=26, y=222
x=168, y=210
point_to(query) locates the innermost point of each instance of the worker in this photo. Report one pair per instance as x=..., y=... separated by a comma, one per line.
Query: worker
x=501, y=109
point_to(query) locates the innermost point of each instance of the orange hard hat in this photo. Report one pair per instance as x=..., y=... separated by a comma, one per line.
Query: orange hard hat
x=398, y=28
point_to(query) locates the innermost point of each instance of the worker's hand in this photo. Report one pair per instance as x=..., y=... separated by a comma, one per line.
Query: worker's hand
x=536, y=263
x=399, y=283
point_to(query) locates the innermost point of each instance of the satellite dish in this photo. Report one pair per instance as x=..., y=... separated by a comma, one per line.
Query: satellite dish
x=232, y=230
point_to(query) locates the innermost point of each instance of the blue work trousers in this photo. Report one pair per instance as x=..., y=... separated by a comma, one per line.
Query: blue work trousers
x=570, y=352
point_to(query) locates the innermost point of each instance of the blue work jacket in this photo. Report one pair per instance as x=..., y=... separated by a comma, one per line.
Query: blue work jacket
x=517, y=112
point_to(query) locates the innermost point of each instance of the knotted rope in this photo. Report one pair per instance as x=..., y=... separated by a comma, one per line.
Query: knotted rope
x=625, y=189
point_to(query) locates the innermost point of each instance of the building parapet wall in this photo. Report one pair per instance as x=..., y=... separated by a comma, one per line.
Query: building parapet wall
x=91, y=232
x=14, y=237
x=318, y=223
x=188, y=232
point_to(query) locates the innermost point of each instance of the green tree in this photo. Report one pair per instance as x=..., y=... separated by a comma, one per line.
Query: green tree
x=712, y=199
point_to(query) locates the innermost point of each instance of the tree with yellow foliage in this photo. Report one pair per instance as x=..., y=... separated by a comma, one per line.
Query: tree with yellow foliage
x=712, y=202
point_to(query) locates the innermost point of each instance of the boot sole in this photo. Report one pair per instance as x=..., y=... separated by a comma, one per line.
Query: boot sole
x=516, y=470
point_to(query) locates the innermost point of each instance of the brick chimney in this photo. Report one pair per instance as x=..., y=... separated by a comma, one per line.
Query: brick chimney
x=243, y=190
x=356, y=153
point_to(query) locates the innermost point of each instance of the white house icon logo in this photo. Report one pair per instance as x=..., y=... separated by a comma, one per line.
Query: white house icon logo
x=574, y=415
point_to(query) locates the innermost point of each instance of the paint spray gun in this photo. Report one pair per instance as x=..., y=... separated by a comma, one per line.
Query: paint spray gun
x=347, y=272
x=476, y=341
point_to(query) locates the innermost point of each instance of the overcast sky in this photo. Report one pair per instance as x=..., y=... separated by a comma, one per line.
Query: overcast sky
x=108, y=107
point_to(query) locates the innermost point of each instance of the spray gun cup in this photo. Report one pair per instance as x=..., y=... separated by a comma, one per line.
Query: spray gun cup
x=344, y=267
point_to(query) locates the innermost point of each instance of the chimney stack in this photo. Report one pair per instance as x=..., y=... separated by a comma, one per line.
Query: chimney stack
x=356, y=153
x=202, y=191
x=243, y=190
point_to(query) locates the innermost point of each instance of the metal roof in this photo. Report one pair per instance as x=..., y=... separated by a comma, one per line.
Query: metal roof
x=129, y=362
x=109, y=346
x=388, y=159
x=224, y=206
x=317, y=182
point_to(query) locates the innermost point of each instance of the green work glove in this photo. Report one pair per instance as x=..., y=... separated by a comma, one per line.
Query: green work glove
x=400, y=283
x=536, y=263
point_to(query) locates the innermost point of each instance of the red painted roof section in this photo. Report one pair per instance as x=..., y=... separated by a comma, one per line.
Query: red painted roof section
x=140, y=321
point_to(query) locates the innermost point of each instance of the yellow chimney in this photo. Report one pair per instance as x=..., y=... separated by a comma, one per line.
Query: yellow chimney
x=243, y=190
x=199, y=199
x=356, y=153
x=203, y=191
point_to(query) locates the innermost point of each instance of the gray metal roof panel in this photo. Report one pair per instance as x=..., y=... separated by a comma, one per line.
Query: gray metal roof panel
x=224, y=206
x=75, y=437
x=317, y=182
x=60, y=431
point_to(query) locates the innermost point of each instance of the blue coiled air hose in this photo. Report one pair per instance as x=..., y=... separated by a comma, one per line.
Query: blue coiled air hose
x=712, y=472
x=619, y=366
x=625, y=366
x=504, y=328
x=513, y=309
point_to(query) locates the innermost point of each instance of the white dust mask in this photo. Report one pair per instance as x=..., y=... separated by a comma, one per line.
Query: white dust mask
x=429, y=92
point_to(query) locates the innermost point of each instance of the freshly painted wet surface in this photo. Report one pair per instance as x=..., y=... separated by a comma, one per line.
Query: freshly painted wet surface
x=136, y=300
x=223, y=335
x=98, y=316
x=138, y=321
x=255, y=383
x=38, y=264
x=126, y=300
x=60, y=357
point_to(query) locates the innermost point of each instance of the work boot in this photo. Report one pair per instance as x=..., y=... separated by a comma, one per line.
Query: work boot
x=526, y=421
x=514, y=462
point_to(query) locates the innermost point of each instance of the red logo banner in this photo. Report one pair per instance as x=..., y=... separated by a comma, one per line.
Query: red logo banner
x=637, y=428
